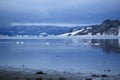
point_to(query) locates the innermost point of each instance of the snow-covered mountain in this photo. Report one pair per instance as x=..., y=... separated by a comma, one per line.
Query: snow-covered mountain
x=108, y=27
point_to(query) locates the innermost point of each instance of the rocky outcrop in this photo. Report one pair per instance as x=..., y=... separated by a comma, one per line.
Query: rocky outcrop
x=108, y=27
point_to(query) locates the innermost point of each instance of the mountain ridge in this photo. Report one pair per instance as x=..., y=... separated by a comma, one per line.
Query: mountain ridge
x=107, y=27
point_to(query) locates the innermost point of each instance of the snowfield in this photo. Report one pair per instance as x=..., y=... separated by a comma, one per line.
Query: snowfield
x=64, y=36
x=69, y=35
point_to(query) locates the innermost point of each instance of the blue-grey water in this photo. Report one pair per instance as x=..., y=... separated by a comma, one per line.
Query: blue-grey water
x=75, y=55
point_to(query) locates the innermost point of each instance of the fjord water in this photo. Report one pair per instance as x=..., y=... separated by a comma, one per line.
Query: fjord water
x=74, y=55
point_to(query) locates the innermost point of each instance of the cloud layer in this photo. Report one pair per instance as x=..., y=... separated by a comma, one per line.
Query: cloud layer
x=59, y=11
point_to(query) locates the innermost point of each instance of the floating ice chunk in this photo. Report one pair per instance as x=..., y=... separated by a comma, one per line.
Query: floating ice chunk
x=85, y=44
x=22, y=42
x=47, y=43
x=75, y=41
x=89, y=42
x=17, y=42
x=96, y=44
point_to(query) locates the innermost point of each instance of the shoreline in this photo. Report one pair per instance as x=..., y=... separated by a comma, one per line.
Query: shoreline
x=66, y=37
x=11, y=73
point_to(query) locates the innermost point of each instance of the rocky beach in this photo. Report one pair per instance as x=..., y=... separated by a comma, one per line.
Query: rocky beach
x=10, y=73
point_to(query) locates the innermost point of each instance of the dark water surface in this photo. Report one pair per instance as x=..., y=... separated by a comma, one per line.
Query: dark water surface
x=75, y=55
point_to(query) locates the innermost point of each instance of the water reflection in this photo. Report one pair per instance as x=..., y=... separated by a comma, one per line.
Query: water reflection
x=108, y=45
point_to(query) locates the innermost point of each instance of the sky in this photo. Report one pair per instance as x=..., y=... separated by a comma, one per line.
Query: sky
x=58, y=11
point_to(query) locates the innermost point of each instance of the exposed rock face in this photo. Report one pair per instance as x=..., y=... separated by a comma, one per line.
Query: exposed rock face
x=108, y=27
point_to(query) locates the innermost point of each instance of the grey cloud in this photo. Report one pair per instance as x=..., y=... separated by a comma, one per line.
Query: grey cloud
x=59, y=10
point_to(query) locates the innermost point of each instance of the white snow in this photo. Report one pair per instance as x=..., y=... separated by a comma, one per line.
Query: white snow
x=70, y=33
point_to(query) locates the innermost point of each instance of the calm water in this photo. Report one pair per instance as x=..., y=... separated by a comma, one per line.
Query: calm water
x=75, y=55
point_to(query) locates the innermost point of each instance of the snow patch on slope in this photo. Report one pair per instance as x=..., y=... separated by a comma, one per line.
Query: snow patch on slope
x=70, y=33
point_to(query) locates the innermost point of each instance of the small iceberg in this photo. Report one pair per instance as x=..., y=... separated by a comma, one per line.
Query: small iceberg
x=22, y=42
x=47, y=43
x=19, y=42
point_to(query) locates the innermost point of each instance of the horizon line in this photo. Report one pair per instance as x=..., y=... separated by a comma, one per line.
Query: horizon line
x=49, y=24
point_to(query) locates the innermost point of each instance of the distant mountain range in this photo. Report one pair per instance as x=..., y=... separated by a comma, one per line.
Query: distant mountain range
x=33, y=30
x=108, y=27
